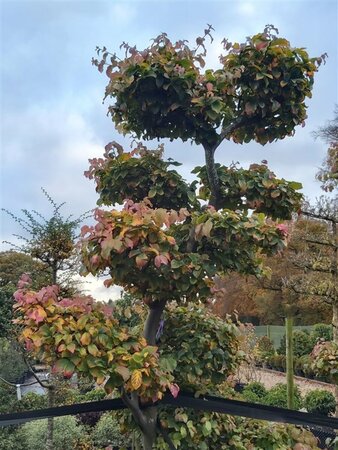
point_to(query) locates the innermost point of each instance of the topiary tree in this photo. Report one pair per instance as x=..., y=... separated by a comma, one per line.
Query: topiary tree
x=165, y=246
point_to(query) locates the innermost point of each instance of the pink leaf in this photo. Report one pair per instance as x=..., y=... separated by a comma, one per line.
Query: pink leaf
x=160, y=259
x=283, y=229
x=174, y=389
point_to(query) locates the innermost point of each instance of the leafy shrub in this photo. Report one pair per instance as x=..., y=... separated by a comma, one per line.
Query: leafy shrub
x=190, y=430
x=68, y=434
x=107, y=432
x=12, y=365
x=11, y=439
x=320, y=402
x=93, y=395
x=302, y=344
x=265, y=348
x=31, y=400
x=277, y=362
x=324, y=360
x=7, y=398
x=254, y=392
x=321, y=331
x=277, y=396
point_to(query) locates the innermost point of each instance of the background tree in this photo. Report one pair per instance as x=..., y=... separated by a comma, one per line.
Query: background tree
x=328, y=173
x=48, y=245
x=12, y=265
x=262, y=299
x=164, y=246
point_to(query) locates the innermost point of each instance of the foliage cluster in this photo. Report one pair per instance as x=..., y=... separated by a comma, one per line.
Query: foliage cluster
x=320, y=402
x=303, y=344
x=161, y=92
x=256, y=188
x=325, y=360
x=276, y=396
x=80, y=334
x=12, y=365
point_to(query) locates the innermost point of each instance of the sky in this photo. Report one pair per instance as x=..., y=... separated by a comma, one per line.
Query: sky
x=52, y=116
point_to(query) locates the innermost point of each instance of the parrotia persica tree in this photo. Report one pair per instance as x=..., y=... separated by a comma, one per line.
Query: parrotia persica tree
x=170, y=238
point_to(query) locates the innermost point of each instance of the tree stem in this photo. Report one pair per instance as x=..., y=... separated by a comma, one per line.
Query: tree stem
x=50, y=420
x=212, y=175
x=289, y=360
x=147, y=418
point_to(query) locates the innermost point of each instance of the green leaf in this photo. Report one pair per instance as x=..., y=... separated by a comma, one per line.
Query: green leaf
x=295, y=185
x=64, y=365
x=93, y=350
x=176, y=264
x=217, y=106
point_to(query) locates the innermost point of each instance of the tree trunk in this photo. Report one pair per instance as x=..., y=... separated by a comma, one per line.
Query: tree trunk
x=335, y=302
x=147, y=418
x=289, y=361
x=212, y=175
x=50, y=420
x=150, y=329
x=335, y=339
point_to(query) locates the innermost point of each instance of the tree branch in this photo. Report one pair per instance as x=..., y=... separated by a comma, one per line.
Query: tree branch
x=133, y=404
x=314, y=241
x=318, y=216
x=45, y=386
x=237, y=123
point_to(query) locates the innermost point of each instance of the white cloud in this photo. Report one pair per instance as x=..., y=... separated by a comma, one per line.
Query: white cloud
x=94, y=286
x=246, y=8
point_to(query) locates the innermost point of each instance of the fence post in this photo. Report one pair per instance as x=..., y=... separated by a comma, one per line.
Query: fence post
x=289, y=360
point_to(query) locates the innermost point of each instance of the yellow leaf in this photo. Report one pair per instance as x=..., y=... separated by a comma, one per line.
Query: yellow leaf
x=85, y=339
x=136, y=379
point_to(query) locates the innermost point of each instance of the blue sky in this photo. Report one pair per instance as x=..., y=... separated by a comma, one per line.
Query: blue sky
x=53, y=119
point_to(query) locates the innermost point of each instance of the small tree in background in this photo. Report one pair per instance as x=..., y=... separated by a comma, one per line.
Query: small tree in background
x=49, y=247
x=165, y=247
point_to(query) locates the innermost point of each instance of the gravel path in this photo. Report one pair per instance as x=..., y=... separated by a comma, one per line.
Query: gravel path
x=271, y=377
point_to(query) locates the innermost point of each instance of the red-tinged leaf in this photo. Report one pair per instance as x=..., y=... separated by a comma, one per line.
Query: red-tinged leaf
x=160, y=259
x=64, y=365
x=124, y=372
x=141, y=260
x=129, y=243
x=261, y=45
x=85, y=229
x=61, y=348
x=71, y=347
x=107, y=247
x=171, y=240
x=108, y=283
x=174, y=389
x=209, y=87
x=37, y=314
